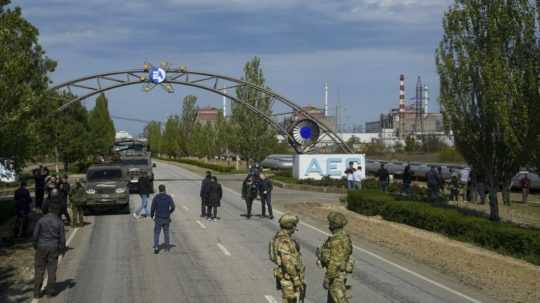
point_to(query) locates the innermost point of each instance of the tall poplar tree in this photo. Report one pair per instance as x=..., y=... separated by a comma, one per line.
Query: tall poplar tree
x=102, y=130
x=489, y=86
x=188, y=121
x=255, y=138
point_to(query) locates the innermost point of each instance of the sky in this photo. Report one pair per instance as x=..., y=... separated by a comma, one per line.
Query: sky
x=359, y=47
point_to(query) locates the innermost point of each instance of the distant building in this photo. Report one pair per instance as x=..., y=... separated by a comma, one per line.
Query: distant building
x=123, y=135
x=207, y=115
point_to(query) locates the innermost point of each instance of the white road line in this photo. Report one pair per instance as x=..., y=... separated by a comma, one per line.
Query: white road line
x=59, y=261
x=270, y=299
x=224, y=250
x=200, y=224
x=417, y=275
x=185, y=208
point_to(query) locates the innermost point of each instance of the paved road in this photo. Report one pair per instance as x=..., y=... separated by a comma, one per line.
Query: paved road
x=225, y=261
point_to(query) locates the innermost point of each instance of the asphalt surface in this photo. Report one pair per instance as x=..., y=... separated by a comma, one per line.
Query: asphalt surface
x=226, y=261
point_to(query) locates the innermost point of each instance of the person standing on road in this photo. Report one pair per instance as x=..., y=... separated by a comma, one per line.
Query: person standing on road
x=145, y=188
x=349, y=172
x=49, y=241
x=40, y=174
x=384, y=178
x=335, y=257
x=215, y=193
x=23, y=205
x=407, y=180
x=53, y=198
x=249, y=193
x=205, y=194
x=161, y=210
x=525, y=184
x=77, y=201
x=266, y=196
x=64, y=188
x=284, y=251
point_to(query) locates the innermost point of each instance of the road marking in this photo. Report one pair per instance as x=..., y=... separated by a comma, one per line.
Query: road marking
x=224, y=250
x=59, y=261
x=270, y=299
x=185, y=207
x=200, y=224
x=374, y=255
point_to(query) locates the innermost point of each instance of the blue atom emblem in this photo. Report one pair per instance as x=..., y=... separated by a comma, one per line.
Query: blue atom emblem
x=306, y=133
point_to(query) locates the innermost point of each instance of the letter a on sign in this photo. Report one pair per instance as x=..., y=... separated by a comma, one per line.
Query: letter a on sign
x=314, y=168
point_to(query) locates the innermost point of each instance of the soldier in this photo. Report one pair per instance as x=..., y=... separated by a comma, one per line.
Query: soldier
x=77, y=200
x=335, y=257
x=285, y=253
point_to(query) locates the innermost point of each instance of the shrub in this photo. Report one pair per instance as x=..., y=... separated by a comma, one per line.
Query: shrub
x=501, y=237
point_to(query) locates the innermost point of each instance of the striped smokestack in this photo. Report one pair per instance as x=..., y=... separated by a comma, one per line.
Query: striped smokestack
x=402, y=93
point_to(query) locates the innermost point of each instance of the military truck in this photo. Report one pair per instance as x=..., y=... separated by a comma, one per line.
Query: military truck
x=137, y=164
x=107, y=186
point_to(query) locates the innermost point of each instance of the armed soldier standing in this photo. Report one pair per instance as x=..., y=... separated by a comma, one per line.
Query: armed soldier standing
x=335, y=257
x=77, y=201
x=285, y=253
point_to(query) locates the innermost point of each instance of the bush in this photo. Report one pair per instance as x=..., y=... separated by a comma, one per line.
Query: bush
x=7, y=211
x=215, y=167
x=450, y=155
x=501, y=237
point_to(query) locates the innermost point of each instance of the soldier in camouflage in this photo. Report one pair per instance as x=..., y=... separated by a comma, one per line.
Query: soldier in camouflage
x=285, y=253
x=77, y=198
x=335, y=257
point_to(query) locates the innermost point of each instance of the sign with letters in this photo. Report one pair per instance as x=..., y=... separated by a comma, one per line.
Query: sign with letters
x=317, y=166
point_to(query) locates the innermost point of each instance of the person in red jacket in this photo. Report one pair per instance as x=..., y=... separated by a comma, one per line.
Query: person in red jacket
x=525, y=184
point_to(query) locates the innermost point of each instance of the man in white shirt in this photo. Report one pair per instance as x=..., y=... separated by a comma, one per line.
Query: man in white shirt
x=357, y=178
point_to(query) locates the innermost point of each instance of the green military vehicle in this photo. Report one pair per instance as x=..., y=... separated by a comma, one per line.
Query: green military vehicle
x=107, y=187
x=136, y=159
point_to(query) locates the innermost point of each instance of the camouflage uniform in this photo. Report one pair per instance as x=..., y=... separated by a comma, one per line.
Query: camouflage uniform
x=335, y=257
x=77, y=200
x=285, y=253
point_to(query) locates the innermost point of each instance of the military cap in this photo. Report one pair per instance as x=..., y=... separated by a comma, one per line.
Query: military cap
x=336, y=219
x=288, y=221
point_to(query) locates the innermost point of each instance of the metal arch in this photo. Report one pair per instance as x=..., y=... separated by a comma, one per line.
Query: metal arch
x=173, y=74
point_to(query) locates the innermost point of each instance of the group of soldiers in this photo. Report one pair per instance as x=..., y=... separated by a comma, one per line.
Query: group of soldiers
x=334, y=256
x=256, y=184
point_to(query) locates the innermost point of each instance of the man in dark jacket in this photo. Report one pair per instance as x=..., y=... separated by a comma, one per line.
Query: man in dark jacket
x=40, y=174
x=23, y=203
x=145, y=188
x=266, y=188
x=433, y=183
x=161, y=210
x=205, y=193
x=249, y=193
x=384, y=178
x=215, y=193
x=64, y=188
x=53, y=198
x=407, y=180
x=49, y=242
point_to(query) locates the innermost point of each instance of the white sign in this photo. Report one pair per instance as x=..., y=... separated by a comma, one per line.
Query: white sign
x=332, y=165
x=157, y=75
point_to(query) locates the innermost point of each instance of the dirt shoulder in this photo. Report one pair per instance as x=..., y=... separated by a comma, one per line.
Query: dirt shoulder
x=503, y=278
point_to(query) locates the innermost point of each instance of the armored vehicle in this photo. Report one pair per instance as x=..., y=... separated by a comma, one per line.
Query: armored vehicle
x=107, y=186
x=137, y=164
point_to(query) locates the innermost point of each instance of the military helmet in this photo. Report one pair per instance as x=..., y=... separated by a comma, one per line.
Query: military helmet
x=336, y=220
x=288, y=221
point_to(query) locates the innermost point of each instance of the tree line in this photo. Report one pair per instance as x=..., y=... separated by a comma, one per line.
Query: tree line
x=243, y=133
x=29, y=127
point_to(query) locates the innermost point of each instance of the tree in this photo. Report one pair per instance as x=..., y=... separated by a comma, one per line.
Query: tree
x=188, y=121
x=169, y=143
x=254, y=138
x=102, y=130
x=23, y=81
x=489, y=82
x=152, y=133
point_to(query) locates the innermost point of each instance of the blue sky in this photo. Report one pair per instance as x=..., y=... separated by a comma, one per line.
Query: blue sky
x=360, y=47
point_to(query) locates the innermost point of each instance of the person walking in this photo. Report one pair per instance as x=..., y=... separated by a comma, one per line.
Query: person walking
x=525, y=184
x=407, y=180
x=64, y=189
x=161, y=210
x=40, y=174
x=49, y=241
x=145, y=188
x=432, y=179
x=349, y=172
x=249, y=193
x=77, y=201
x=266, y=188
x=53, y=198
x=215, y=193
x=384, y=178
x=284, y=251
x=205, y=194
x=23, y=205
x=335, y=257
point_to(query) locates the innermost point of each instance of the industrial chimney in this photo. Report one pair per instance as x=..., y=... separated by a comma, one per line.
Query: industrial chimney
x=402, y=106
x=326, y=99
x=426, y=100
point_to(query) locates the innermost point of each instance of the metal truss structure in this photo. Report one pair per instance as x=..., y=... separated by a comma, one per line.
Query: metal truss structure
x=92, y=85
